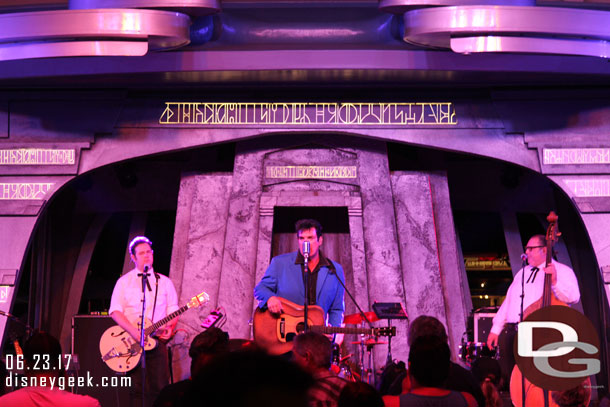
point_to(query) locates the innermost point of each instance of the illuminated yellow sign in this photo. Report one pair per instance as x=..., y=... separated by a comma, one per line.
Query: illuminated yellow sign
x=24, y=190
x=478, y=263
x=312, y=171
x=564, y=156
x=37, y=156
x=309, y=114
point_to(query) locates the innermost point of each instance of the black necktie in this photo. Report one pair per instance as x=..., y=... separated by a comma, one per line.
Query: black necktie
x=533, y=274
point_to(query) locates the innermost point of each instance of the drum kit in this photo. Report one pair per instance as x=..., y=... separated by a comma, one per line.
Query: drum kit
x=469, y=352
x=474, y=349
x=343, y=365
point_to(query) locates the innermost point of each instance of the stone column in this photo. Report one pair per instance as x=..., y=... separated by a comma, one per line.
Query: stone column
x=241, y=241
x=418, y=245
x=385, y=283
x=197, y=254
x=455, y=281
x=435, y=284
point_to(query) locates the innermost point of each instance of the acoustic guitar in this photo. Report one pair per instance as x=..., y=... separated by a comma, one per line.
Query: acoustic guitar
x=122, y=353
x=275, y=332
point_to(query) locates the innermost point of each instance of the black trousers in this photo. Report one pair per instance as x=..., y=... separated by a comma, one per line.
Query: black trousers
x=506, y=357
x=157, y=376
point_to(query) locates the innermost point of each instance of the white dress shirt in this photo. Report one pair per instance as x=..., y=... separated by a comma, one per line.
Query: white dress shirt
x=127, y=296
x=565, y=290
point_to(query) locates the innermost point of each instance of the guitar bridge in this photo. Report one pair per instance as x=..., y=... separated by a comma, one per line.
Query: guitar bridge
x=282, y=328
x=112, y=353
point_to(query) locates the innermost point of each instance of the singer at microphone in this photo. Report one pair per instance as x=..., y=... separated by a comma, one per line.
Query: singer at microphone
x=285, y=276
x=306, y=249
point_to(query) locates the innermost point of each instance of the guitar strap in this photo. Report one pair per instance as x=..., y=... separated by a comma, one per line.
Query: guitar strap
x=156, y=292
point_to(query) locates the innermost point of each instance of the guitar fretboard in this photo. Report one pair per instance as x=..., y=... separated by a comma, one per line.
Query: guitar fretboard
x=341, y=330
x=165, y=320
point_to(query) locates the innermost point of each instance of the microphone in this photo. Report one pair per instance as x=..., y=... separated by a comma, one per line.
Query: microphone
x=524, y=257
x=146, y=268
x=306, y=249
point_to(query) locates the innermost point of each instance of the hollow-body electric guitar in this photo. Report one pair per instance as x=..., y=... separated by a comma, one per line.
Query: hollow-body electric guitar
x=275, y=332
x=122, y=353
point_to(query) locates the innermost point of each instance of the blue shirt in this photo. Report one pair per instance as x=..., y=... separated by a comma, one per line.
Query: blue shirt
x=284, y=278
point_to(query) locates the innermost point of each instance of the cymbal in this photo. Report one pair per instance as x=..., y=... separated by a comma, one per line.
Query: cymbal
x=355, y=319
x=370, y=342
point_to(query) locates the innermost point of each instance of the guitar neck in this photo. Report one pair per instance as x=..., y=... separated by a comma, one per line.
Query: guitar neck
x=341, y=330
x=165, y=320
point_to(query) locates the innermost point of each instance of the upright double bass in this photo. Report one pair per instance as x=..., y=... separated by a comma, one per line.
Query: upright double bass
x=519, y=385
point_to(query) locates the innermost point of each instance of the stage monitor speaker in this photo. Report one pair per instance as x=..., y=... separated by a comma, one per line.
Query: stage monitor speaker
x=86, y=333
x=482, y=325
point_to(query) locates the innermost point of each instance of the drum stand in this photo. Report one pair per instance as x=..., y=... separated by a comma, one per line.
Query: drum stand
x=389, y=311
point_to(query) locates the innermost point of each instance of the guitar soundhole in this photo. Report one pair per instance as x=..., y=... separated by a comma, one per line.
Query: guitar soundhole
x=300, y=328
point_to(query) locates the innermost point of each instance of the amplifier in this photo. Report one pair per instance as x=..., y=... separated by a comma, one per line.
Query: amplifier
x=482, y=325
x=86, y=333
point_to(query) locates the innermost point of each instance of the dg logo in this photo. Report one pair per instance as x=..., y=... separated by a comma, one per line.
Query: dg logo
x=556, y=348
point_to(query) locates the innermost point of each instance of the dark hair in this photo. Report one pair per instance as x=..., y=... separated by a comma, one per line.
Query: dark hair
x=359, y=394
x=429, y=361
x=250, y=379
x=138, y=240
x=579, y=396
x=41, y=343
x=317, y=344
x=304, y=224
x=213, y=340
x=425, y=325
x=541, y=239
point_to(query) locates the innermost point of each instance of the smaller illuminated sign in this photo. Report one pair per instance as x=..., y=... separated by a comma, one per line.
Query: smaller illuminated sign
x=587, y=188
x=486, y=263
x=566, y=156
x=37, y=156
x=4, y=294
x=24, y=190
x=310, y=171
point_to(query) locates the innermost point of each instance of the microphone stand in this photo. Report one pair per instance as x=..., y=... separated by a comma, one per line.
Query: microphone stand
x=523, y=265
x=142, y=333
x=306, y=302
x=364, y=317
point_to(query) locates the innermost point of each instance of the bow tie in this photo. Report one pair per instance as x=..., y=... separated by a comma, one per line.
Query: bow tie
x=147, y=283
x=533, y=274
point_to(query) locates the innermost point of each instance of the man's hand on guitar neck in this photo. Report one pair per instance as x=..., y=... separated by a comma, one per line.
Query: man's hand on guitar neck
x=275, y=305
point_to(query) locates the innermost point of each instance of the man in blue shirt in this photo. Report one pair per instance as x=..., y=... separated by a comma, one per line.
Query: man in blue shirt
x=285, y=277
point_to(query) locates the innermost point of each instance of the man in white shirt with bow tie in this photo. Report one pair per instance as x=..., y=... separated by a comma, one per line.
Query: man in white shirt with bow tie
x=126, y=310
x=563, y=285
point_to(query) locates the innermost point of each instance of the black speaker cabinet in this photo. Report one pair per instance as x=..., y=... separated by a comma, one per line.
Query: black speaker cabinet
x=86, y=333
x=482, y=325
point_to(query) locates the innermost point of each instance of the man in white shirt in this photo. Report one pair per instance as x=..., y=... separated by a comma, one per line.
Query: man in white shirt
x=126, y=310
x=563, y=285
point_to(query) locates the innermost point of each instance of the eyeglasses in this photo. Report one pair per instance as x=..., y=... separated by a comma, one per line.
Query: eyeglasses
x=533, y=247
